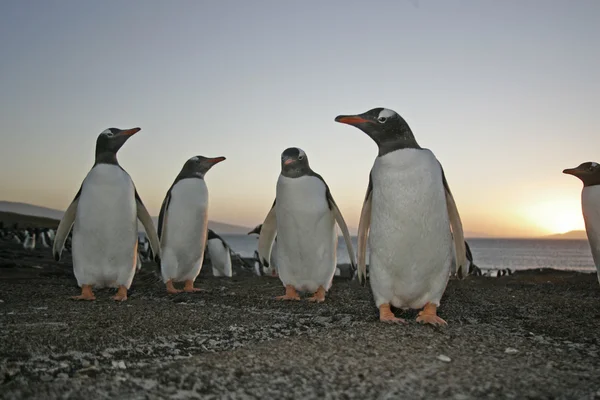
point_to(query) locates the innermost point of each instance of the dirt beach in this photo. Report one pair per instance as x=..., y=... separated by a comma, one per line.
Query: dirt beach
x=531, y=335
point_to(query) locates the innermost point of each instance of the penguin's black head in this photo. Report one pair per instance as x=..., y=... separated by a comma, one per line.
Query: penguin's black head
x=294, y=162
x=588, y=172
x=198, y=166
x=388, y=129
x=110, y=141
x=211, y=235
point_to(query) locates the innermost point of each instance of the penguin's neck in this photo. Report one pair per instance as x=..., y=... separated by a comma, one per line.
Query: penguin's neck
x=106, y=157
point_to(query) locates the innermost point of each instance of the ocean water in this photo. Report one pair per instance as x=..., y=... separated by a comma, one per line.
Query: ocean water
x=487, y=253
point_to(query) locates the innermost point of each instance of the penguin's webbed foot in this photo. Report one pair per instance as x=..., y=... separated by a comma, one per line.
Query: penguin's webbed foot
x=429, y=316
x=86, y=294
x=290, y=294
x=189, y=287
x=319, y=295
x=121, y=294
x=386, y=315
x=171, y=289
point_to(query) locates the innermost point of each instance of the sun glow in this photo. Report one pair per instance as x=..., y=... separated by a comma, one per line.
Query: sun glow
x=557, y=216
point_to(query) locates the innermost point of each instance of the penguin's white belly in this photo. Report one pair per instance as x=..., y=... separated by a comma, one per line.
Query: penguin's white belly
x=410, y=241
x=306, y=236
x=104, y=243
x=219, y=258
x=590, y=205
x=184, y=239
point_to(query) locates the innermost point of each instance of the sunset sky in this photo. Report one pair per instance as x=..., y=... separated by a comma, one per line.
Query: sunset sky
x=506, y=93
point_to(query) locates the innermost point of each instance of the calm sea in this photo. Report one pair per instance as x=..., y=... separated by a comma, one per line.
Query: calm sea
x=487, y=253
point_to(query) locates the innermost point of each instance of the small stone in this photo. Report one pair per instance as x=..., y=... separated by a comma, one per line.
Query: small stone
x=62, y=375
x=444, y=358
x=119, y=364
x=1, y=301
x=510, y=350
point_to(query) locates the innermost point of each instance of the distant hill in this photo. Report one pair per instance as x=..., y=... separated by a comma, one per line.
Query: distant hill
x=42, y=217
x=568, y=235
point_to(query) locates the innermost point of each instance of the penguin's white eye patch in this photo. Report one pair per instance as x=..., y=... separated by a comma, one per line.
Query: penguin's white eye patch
x=300, y=157
x=594, y=165
x=108, y=133
x=384, y=115
x=194, y=158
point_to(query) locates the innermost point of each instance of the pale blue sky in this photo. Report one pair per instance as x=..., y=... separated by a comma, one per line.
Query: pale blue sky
x=505, y=92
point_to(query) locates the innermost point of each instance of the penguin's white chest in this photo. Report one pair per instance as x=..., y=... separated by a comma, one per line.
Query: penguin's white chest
x=590, y=205
x=105, y=229
x=185, y=231
x=410, y=241
x=306, y=236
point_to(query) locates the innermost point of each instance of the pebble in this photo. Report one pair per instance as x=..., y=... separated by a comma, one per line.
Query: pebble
x=510, y=350
x=444, y=358
x=119, y=364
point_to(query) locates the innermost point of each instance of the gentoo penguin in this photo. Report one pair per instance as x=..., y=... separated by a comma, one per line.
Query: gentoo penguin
x=303, y=217
x=182, y=224
x=29, y=242
x=104, y=216
x=271, y=268
x=220, y=256
x=589, y=173
x=43, y=235
x=407, y=215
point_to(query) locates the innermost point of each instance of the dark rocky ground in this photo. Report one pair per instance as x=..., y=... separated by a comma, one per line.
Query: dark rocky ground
x=532, y=335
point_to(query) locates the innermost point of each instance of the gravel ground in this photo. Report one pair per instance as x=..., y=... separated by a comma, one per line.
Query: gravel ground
x=534, y=334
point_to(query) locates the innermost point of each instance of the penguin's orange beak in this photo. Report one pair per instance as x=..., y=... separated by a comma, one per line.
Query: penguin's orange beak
x=570, y=171
x=288, y=161
x=351, y=119
x=131, y=131
x=217, y=160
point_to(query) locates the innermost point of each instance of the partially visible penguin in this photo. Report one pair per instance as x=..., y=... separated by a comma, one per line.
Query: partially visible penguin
x=407, y=216
x=271, y=268
x=589, y=174
x=303, y=218
x=182, y=224
x=104, y=218
x=220, y=256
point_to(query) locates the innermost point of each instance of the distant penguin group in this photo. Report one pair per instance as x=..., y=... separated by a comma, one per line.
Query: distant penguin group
x=409, y=222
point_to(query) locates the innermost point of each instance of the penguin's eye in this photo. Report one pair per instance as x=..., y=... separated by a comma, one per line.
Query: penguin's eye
x=301, y=158
x=110, y=134
x=382, y=119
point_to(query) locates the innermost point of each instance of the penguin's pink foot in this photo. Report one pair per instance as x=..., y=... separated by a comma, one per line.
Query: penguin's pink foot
x=189, y=287
x=290, y=294
x=429, y=316
x=319, y=295
x=386, y=315
x=86, y=293
x=121, y=294
x=171, y=289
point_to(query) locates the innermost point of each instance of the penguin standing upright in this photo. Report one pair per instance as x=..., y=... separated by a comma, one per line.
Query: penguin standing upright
x=407, y=217
x=182, y=224
x=589, y=174
x=220, y=255
x=303, y=218
x=104, y=216
x=29, y=242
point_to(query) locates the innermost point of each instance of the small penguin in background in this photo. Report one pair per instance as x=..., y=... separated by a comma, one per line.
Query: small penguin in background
x=220, y=255
x=43, y=235
x=271, y=268
x=183, y=224
x=589, y=174
x=104, y=216
x=29, y=242
x=410, y=220
x=303, y=218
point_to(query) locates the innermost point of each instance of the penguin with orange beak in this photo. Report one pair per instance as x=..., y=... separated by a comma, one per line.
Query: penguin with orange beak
x=104, y=217
x=409, y=220
x=589, y=174
x=183, y=224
